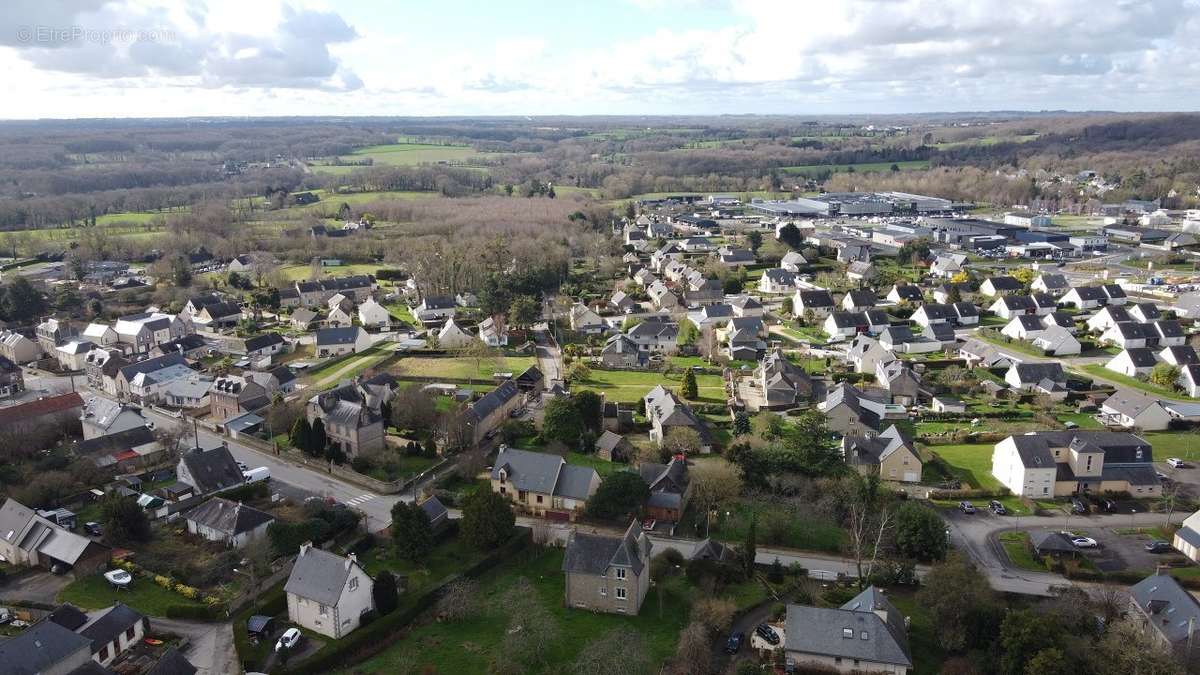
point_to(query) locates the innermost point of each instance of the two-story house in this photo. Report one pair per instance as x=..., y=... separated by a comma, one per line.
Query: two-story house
x=352, y=417
x=233, y=395
x=326, y=593
x=543, y=484
x=607, y=574
x=1062, y=463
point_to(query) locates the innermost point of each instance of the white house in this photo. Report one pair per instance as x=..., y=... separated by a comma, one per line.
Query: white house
x=1108, y=317
x=339, y=341
x=492, y=333
x=858, y=300
x=819, y=302
x=1133, y=361
x=1091, y=297
x=866, y=354
x=1053, y=284
x=793, y=262
x=451, y=336
x=232, y=523
x=1023, y=327
x=100, y=334
x=777, y=280
x=326, y=593
x=1187, y=537
x=1133, y=409
x=371, y=314
x=994, y=287
x=1058, y=341
x=1189, y=379
x=72, y=355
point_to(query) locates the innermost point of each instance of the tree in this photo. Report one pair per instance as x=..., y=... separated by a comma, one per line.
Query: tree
x=1164, y=375
x=1126, y=649
x=681, y=441
x=412, y=535
x=920, y=533
x=688, y=389
x=334, y=454
x=694, y=654
x=619, y=497
x=741, y=423
x=317, y=439
x=532, y=631
x=562, y=422
x=913, y=252
x=688, y=334
x=21, y=302
x=487, y=520
x=578, y=372
x=181, y=271
x=810, y=447
x=384, y=593
x=790, y=235
x=868, y=519
x=714, y=484
x=960, y=603
x=123, y=520
x=590, y=407
x=1023, y=634
x=617, y=651
x=754, y=241
x=524, y=311
x=750, y=550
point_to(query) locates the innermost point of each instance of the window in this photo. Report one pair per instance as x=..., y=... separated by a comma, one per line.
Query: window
x=104, y=653
x=620, y=593
x=130, y=632
x=354, y=583
x=604, y=591
x=323, y=610
x=620, y=572
x=1089, y=463
x=848, y=633
x=539, y=499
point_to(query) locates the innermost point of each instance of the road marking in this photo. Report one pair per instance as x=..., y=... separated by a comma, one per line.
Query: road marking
x=361, y=499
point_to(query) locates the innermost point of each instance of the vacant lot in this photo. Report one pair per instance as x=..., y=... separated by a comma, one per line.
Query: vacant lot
x=462, y=367
x=93, y=592
x=629, y=386
x=970, y=463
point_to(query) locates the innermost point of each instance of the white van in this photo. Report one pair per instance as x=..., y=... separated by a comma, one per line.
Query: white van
x=257, y=474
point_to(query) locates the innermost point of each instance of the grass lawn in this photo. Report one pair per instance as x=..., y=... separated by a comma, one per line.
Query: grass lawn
x=401, y=312
x=602, y=467
x=1173, y=444
x=927, y=655
x=970, y=463
x=329, y=374
x=1018, y=346
x=807, y=532
x=1084, y=420
x=404, y=154
x=93, y=592
x=629, y=386
x=405, y=466
x=450, y=556
x=1014, y=547
x=302, y=272
x=467, y=646
x=462, y=367
x=1099, y=371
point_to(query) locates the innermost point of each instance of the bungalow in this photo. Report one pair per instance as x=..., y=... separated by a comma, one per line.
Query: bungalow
x=1189, y=380
x=607, y=574
x=435, y=309
x=1108, y=317
x=584, y=320
x=1042, y=377
x=978, y=353
x=1133, y=361
x=612, y=446
x=910, y=293
x=1058, y=341
x=951, y=292
x=113, y=632
x=326, y=593
x=1051, y=284
x=817, y=302
x=264, y=346
x=793, y=262
x=711, y=316
x=543, y=484
x=371, y=314
x=1023, y=327
x=302, y=319
x=218, y=315
x=1006, y=307
x=890, y=455
x=1091, y=297
x=1061, y=320
x=994, y=287
x=332, y=342
x=1145, y=312
x=1180, y=356
x=867, y=634
x=933, y=313
x=941, y=333
x=858, y=300
x=231, y=523
x=209, y=471
x=735, y=257
x=948, y=404
x=777, y=280
x=1135, y=410
x=901, y=339
x=848, y=324
x=1128, y=334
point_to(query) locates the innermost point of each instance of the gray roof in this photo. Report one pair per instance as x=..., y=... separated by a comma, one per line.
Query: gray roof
x=532, y=471
x=434, y=509
x=1141, y=357
x=1168, y=605
x=230, y=518
x=110, y=625
x=575, y=482
x=212, y=470
x=494, y=399
x=153, y=365
x=345, y=335
x=1118, y=447
x=823, y=631
x=595, y=553
x=172, y=663
x=1130, y=402
x=1035, y=372
x=1051, y=542
x=319, y=576
x=39, y=648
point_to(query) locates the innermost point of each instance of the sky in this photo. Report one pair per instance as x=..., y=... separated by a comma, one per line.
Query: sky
x=170, y=58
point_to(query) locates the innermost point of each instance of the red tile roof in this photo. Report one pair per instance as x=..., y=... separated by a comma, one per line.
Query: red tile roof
x=40, y=407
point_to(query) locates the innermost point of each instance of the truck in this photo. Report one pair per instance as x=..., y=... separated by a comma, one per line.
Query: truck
x=256, y=475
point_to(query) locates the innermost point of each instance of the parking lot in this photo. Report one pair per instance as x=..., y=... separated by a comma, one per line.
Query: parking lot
x=1119, y=548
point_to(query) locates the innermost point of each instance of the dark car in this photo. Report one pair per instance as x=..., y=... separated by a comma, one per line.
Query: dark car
x=92, y=529
x=1109, y=505
x=997, y=508
x=1158, y=546
x=767, y=633
x=734, y=644
x=966, y=507
x=1077, y=506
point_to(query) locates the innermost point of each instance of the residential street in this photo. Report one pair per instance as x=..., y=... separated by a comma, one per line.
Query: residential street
x=210, y=645
x=549, y=357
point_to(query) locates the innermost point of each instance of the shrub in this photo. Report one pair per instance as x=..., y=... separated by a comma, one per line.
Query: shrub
x=165, y=582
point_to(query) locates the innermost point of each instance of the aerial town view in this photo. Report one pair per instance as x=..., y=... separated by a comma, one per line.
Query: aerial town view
x=630, y=338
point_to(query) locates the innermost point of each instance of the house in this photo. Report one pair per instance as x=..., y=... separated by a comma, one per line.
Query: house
x=858, y=300
x=661, y=297
x=543, y=484
x=128, y=450
x=735, y=257
x=622, y=302
x=218, y=315
x=951, y=291
x=1051, y=284
x=62, y=410
x=1061, y=320
x=644, y=277
x=1008, y=306
x=113, y=632
x=994, y=287
x=30, y=540
x=493, y=333
x=491, y=410
x=934, y=313
x=1062, y=463
x=946, y=265
x=746, y=306
x=1189, y=380
x=711, y=316
x=782, y=384
x=233, y=395
x=655, y=335
x=867, y=634
x=1187, y=537
x=452, y=336
x=743, y=338
x=146, y=381
x=860, y=271
x=434, y=309
x=793, y=262
x=607, y=574
x=901, y=293
x=848, y=324
x=209, y=471
x=1133, y=362
x=853, y=411
x=12, y=380
x=72, y=354
x=900, y=381
x=1168, y=613
x=1180, y=356
x=665, y=411
x=584, y=320
x=1128, y=334
x=231, y=523
x=189, y=346
x=52, y=332
x=332, y=342
x=1091, y=297
x=101, y=417
x=1135, y=410
x=948, y=404
x=889, y=455
x=777, y=280
x=46, y=648
x=241, y=264
x=326, y=593
x=1043, y=378
x=280, y=379
x=100, y=334
x=865, y=353
x=1053, y=544
x=1107, y=317
x=1057, y=341
x=620, y=351
x=436, y=511
x=1144, y=312
x=1023, y=327
x=978, y=353
x=264, y=345
x=339, y=316
x=817, y=302
x=371, y=314
x=18, y=348
x=612, y=446
x=352, y=416
x=901, y=339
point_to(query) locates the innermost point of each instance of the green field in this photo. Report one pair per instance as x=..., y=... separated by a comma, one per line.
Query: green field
x=629, y=386
x=302, y=272
x=1173, y=444
x=93, y=592
x=334, y=200
x=330, y=373
x=970, y=463
x=865, y=167
x=403, y=154
x=1099, y=371
x=461, y=367
x=986, y=140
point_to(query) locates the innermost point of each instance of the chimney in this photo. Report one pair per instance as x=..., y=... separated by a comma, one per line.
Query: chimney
x=304, y=547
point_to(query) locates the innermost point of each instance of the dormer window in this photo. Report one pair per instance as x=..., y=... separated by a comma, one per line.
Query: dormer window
x=863, y=635
x=848, y=633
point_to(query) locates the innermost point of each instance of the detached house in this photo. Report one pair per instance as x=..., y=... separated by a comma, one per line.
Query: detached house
x=668, y=484
x=326, y=593
x=371, y=314
x=1135, y=410
x=351, y=415
x=452, y=336
x=209, y=471
x=1062, y=463
x=1053, y=284
x=901, y=293
x=607, y=574
x=994, y=287
x=858, y=301
x=655, y=335
x=1091, y=297
x=493, y=333
x=332, y=342
x=1133, y=362
x=819, y=302
x=890, y=455
x=434, y=309
x=584, y=320
x=783, y=384
x=777, y=280
x=1043, y=377
x=665, y=411
x=865, y=635
x=543, y=484
x=231, y=523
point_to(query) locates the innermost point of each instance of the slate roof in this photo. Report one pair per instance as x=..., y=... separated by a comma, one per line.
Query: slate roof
x=68, y=616
x=594, y=553
x=823, y=630
x=910, y=292
x=1168, y=605
x=1036, y=372
x=1129, y=402
x=152, y=365
x=494, y=399
x=1005, y=283
x=110, y=625
x=319, y=576
x=229, y=518
x=1118, y=447
x=39, y=648
x=1141, y=357
x=1051, y=542
x=862, y=298
x=120, y=441
x=574, y=482
x=262, y=341
x=345, y=335
x=816, y=299
x=172, y=663
x=1055, y=281
x=435, y=510
x=1184, y=355
x=212, y=470
x=532, y=471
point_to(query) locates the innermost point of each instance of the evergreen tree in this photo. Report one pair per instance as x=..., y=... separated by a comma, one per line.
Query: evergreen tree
x=317, y=440
x=301, y=434
x=689, y=390
x=751, y=549
x=412, y=535
x=487, y=520
x=384, y=593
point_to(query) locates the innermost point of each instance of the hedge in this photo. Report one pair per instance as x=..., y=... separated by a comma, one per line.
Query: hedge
x=248, y=492
x=380, y=633
x=968, y=493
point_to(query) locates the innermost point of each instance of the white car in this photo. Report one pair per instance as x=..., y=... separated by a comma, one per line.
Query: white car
x=289, y=639
x=1175, y=463
x=118, y=578
x=1084, y=542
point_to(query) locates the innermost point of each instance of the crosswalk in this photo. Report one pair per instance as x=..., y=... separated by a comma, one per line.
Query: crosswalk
x=361, y=499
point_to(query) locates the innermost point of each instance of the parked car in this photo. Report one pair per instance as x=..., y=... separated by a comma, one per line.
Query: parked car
x=1084, y=542
x=1158, y=546
x=1077, y=506
x=93, y=529
x=290, y=638
x=997, y=508
x=1176, y=463
x=118, y=578
x=256, y=475
x=734, y=644
x=966, y=507
x=767, y=633
x=1109, y=505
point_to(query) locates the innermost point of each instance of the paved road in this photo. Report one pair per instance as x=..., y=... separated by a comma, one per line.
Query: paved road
x=35, y=586
x=210, y=645
x=549, y=357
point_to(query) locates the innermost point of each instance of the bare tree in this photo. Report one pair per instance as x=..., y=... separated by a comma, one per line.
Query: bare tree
x=714, y=483
x=694, y=654
x=459, y=602
x=868, y=519
x=618, y=651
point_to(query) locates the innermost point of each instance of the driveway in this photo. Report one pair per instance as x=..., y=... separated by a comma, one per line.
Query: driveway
x=210, y=645
x=36, y=586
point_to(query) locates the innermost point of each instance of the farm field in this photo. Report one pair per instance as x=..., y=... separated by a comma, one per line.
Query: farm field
x=404, y=154
x=811, y=169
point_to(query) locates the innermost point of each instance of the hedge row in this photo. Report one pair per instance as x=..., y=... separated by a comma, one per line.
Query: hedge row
x=968, y=493
x=381, y=633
